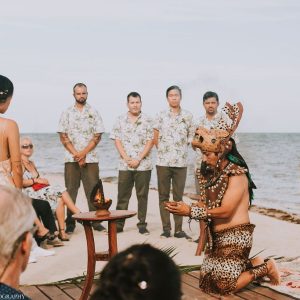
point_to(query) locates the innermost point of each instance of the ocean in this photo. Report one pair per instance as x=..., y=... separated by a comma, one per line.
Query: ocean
x=273, y=160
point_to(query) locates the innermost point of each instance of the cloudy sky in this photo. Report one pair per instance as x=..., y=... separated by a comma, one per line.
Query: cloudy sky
x=243, y=50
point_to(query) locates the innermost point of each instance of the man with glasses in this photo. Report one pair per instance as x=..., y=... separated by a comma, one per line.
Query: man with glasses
x=173, y=131
x=80, y=129
x=16, y=232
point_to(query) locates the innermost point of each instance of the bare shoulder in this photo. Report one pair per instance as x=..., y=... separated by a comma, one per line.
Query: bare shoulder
x=240, y=180
x=11, y=124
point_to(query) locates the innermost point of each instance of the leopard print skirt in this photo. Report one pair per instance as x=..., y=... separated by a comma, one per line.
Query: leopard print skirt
x=228, y=259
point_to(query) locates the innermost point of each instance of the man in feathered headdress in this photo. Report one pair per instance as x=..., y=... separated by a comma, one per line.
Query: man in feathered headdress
x=225, y=196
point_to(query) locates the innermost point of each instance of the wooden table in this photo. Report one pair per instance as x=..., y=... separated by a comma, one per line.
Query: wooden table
x=86, y=219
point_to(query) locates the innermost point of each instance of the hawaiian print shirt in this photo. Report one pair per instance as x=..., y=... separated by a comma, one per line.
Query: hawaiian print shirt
x=175, y=133
x=133, y=137
x=210, y=124
x=81, y=127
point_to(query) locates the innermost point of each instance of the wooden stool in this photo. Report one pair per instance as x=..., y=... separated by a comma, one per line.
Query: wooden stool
x=86, y=219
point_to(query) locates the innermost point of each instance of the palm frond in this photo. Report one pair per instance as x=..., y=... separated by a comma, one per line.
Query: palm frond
x=170, y=251
x=74, y=280
x=186, y=269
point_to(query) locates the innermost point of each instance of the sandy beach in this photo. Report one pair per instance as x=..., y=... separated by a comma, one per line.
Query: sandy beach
x=274, y=236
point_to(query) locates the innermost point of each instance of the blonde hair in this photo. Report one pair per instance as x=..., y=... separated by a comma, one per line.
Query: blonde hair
x=17, y=217
x=25, y=138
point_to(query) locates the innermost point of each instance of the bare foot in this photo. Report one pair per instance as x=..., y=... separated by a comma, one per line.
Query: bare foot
x=273, y=272
x=256, y=261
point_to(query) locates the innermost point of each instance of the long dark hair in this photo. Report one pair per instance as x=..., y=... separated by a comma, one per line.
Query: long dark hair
x=235, y=157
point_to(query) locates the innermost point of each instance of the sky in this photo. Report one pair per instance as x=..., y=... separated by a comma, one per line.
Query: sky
x=245, y=51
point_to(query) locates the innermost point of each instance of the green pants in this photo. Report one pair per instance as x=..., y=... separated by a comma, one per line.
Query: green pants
x=126, y=181
x=166, y=176
x=89, y=175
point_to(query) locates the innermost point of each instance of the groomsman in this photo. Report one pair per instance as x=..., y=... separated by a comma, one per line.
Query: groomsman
x=133, y=136
x=173, y=131
x=209, y=120
x=80, y=129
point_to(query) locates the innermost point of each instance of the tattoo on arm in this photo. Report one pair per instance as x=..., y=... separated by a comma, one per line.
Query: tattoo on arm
x=65, y=139
x=96, y=138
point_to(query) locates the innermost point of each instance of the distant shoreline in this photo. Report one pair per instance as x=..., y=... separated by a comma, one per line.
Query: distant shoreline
x=276, y=213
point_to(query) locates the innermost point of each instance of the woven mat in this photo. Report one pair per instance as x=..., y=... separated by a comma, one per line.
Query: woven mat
x=290, y=277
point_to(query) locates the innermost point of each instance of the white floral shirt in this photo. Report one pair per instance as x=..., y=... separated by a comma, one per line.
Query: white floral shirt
x=81, y=127
x=210, y=124
x=134, y=137
x=175, y=133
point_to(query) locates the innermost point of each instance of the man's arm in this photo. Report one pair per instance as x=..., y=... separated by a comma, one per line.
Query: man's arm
x=191, y=130
x=146, y=150
x=90, y=146
x=232, y=198
x=121, y=150
x=133, y=162
x=64, y=138
x=155, y=137
x=136, y=162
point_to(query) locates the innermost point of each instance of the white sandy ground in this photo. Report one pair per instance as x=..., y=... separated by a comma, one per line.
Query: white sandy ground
x=277, y=237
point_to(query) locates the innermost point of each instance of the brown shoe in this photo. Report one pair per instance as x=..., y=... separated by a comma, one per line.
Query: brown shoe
x=55, y=242
x=45, y=245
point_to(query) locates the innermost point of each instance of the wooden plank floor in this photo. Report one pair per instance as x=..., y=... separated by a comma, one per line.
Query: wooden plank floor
x=190, y=291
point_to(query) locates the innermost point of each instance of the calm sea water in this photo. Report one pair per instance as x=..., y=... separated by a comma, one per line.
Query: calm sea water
x=273, y=159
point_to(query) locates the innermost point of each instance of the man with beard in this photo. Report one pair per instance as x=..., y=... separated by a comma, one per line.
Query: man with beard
x=225, y=195
x=80, y=129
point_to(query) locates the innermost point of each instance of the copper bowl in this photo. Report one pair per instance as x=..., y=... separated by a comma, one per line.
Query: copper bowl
x=102, y=207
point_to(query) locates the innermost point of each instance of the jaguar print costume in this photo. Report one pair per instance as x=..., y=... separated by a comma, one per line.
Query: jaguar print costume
x=223, y=265
x=227, y=251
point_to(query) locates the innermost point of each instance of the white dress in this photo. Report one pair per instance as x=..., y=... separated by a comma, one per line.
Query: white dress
x=49, y=193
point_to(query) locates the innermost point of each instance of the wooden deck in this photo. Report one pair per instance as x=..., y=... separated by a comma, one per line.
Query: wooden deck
x=190, y=290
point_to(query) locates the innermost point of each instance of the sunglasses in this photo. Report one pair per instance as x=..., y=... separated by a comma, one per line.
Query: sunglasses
x=27, y=146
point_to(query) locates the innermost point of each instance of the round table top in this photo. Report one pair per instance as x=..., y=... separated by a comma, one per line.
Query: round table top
x=113, y=215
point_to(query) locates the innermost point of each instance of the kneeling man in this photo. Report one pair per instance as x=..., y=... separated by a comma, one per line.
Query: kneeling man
x=225, y=195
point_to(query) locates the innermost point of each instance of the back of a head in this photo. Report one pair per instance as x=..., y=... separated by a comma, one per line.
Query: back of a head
x=139, y=272
x=17, y=217
x=6, y=89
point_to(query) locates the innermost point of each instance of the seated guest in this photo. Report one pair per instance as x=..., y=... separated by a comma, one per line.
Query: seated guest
x=16, y=231
x=47, y=232
x=37, y=187
x=140, y=272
